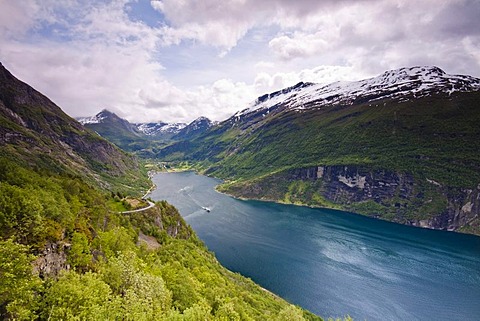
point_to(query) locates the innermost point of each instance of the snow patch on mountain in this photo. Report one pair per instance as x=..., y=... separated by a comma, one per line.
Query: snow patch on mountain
x=200, y=123
x=97, y=119
x=152, y=129
x=92, y=120
x=175, y=127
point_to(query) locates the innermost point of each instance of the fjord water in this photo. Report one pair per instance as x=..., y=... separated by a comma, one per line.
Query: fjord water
x=331, y=262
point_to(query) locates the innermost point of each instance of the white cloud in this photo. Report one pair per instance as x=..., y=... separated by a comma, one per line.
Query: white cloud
x=331, y=31
x=217, y=101
x=92, y=55
x=373, y=37
x=106, y=62
x=157, y=5
x=16, y=17
x=264, y=65
x=266, y=83
x=298, y=46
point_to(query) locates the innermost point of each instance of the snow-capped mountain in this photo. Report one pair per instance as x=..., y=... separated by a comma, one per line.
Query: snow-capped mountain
x=201, y=123
x=98, y=118
x=196, y=127
x=141, y=136
x=175, y=130
x=403, y=83
x=106, y=120
x=160, y=128
x=115, y=129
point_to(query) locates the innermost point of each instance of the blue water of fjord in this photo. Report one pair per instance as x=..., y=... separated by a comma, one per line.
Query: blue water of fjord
x=331, y=262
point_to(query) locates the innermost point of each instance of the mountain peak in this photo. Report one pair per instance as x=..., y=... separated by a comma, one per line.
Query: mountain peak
x=98, y=118
x=201, y=119
x=106, y=112
x=425, y=74
x=284, y=91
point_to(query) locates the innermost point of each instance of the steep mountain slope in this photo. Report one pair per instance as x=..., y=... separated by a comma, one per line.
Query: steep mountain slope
x=402, y=146
x=65, y=254
x=37, y=132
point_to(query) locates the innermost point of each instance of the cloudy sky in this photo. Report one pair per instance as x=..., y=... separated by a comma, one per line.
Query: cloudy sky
x=176, y=60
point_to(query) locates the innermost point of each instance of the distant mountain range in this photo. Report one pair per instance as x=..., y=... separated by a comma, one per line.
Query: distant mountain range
x=160, y=129
x=402, y=146
x=141, y=137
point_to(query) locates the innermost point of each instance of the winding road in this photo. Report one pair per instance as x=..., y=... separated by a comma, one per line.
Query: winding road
x=150, y=205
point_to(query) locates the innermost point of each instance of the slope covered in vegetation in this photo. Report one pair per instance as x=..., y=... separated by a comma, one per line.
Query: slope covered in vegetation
x=65, y=255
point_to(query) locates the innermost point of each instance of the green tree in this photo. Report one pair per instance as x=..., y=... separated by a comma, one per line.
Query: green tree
x=114, y=241
x=226, y=312
x=79, y=256
x=198, y=312
x=20, y=213
x=182, y=284
x=18, y=285
x=144, y=295
x=146, y=298
x=78, y=297
x=291, y=313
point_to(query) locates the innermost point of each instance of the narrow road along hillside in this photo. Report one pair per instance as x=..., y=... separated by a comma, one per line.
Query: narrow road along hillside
x=150, y=205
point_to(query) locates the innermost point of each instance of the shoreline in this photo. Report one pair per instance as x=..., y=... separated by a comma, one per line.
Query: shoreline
x=339, y=209
x=315, y=206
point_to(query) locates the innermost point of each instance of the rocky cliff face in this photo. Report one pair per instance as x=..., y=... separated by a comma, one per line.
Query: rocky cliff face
x=393, y=196
x=350, y=184
x=52, y=261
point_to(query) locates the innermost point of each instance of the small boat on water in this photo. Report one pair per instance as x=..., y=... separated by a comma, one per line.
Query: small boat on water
x=206, y=209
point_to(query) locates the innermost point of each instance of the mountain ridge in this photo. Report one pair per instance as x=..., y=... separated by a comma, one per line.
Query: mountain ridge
x=156, y=128
x=417, y=124
x=407, y=83
x=419, y=80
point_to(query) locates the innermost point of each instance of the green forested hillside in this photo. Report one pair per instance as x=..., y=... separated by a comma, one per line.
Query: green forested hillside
x=431, y=136
x=427, y=147
x=65, y=255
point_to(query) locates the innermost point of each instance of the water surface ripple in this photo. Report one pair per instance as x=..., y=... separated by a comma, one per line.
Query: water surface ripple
x=331, y=262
